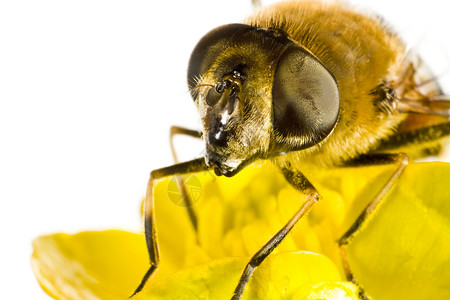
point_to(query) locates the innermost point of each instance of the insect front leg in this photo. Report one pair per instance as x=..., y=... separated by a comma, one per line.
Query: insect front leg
x=401, y=160
x=300, y=182
x=192, y=166
x=176, y=130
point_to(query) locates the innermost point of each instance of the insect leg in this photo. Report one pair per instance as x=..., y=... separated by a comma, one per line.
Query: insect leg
x=192, y=166
x=300, y=182
x=414, y=137
x=174, y=130
x=401, y=159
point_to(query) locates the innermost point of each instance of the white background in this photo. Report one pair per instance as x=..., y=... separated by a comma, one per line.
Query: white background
x=88, y=90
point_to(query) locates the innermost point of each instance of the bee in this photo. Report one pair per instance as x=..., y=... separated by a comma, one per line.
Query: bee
x=306, y=84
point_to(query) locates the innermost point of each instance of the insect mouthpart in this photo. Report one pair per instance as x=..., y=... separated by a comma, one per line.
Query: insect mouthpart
x=213, y=161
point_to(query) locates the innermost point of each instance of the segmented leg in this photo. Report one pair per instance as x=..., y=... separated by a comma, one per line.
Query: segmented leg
x=176, y=130
x=193, y=166
x=414, y=137
x=401, y=159
x=300, y=182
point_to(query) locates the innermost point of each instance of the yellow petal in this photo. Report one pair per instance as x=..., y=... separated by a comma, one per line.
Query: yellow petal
x=328, y=290
x=176, y=235
x=90, y=265
x=281, y=276
x=285, y=273
x=404, y=251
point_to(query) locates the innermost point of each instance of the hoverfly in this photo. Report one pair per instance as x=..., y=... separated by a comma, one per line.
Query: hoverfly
x=306, y=84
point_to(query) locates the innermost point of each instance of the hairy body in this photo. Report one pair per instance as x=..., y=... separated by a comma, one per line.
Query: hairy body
x=364, y=55
x=306, y=85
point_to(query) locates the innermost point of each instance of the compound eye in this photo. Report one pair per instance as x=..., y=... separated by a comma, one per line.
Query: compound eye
x=210, y=47
x=305, y=99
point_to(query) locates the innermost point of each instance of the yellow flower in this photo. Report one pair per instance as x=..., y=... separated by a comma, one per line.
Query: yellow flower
x=402, y=252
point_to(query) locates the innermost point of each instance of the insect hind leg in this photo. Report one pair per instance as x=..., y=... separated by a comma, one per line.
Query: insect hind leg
x=401, y=160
